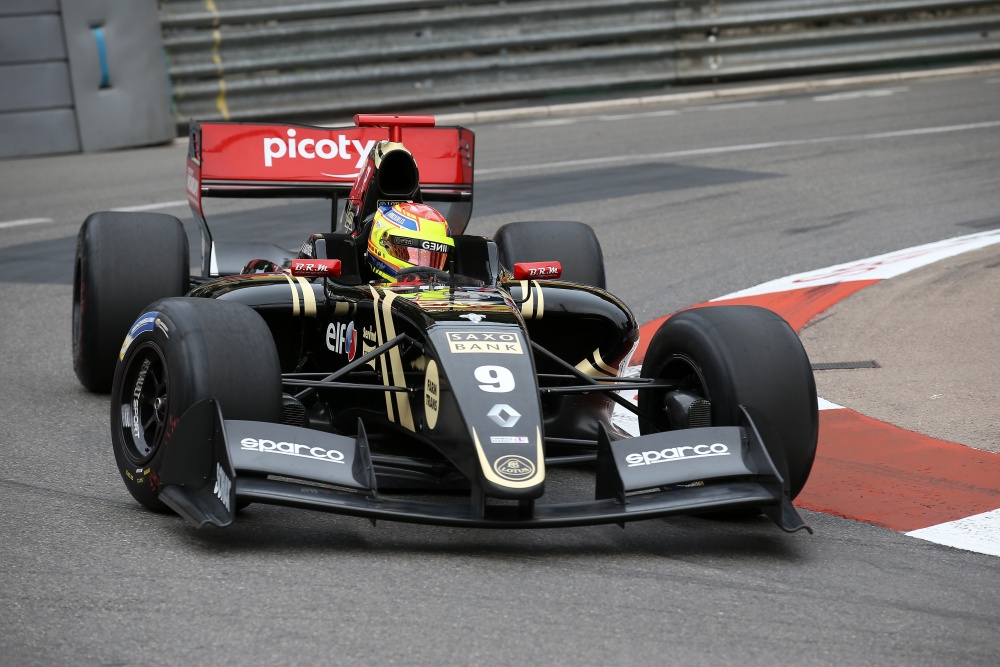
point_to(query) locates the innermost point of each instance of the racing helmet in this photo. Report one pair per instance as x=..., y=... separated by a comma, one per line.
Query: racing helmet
x=406, y=235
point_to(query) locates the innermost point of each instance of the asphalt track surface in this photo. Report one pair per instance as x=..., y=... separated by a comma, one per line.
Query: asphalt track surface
x=690, y=202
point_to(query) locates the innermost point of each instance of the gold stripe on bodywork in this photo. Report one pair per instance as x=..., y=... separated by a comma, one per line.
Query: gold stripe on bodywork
x=491, y=475
x=296, y=308
x=379, y=339
x=527, y=300
x=597, y=367
x=392, y=370
x=308, y=297
x=540, y=308
x=396, y=365
x=533, y=306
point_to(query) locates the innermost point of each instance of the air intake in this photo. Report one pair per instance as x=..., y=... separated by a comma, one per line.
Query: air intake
x=293, y=413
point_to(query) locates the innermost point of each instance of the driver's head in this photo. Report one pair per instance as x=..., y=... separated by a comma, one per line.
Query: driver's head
x=407, y=235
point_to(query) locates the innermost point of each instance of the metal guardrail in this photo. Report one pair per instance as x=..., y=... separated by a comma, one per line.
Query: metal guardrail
x=250, y=59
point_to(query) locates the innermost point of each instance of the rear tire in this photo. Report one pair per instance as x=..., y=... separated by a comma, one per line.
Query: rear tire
x=572, y=244
x=185, y=350
x=740, y=355
x=124, y=261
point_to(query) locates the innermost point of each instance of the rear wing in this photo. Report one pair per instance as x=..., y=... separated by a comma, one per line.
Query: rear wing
x=258, y=160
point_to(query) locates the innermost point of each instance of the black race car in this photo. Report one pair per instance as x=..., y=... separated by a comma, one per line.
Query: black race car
x=446, y=396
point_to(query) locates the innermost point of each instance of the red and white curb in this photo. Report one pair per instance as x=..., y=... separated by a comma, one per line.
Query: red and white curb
x=867, y=470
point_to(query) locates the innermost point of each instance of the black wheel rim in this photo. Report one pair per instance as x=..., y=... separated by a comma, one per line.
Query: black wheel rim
x=142, y=403
x=78, y=306
x=685, y=373
x=682, y=371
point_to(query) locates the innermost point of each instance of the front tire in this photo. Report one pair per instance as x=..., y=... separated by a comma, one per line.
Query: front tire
x=180, y=351
x=733, y=356
x=124, y=261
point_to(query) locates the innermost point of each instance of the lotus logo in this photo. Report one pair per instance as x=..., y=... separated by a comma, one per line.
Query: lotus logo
x=504, y=415
x=514, y=468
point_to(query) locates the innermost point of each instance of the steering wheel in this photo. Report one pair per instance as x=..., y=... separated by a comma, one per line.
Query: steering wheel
x=416, y=273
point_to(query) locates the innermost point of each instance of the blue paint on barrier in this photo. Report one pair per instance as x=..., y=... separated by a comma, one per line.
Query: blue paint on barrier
x=102, y=56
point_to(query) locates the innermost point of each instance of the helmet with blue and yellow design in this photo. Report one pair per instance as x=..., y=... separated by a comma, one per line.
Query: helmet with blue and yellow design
x=406, y=235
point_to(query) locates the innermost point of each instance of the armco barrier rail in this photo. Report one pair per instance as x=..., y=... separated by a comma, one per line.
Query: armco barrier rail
x=243, y=59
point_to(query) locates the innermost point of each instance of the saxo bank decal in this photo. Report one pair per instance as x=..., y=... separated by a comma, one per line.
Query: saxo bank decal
x=342, y=339
x=514, y=468
x=432, y=394
x=490, y=342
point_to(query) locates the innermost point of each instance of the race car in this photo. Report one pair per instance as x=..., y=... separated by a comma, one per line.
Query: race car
x=398, y=368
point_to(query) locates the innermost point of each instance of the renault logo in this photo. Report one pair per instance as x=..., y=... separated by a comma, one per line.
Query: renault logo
x=504, y=415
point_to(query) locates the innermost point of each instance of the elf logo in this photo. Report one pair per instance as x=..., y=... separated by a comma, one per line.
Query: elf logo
x=276, y=148
x=342, y=339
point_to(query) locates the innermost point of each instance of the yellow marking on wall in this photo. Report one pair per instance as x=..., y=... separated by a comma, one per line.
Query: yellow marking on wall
x=210, y=6
x=491, y=475
x=220, y=101
x=216, y=56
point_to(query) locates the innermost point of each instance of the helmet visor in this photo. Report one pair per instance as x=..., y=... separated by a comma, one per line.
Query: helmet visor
x=419, y=252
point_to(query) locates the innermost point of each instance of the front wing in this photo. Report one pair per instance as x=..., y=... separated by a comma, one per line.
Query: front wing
x=689, y=471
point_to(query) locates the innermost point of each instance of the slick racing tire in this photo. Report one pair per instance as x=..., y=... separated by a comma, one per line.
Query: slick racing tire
x=739, y=355
x=180, y=351
x=572, y=244
x=124, y=261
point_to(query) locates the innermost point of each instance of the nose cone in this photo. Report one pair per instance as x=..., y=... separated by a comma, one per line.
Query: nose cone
x=490, y=372
x=512, y=469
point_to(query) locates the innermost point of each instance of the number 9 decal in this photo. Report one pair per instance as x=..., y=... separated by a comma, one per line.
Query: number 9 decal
x=495, y=379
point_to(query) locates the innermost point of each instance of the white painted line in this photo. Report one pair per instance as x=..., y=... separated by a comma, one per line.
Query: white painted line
x=612, y=118
x=177, y=203
x=722, y=150
x=25, y=221
x=499, y=115
x=979, y=533
x=545, y=122
x=880, y=267
x=637, y=115
x=828, y=405
x=554, y=122
x=858, y=94
x=726, y=106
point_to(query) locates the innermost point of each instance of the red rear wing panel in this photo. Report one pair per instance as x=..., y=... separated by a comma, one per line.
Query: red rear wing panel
x=291, y=156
